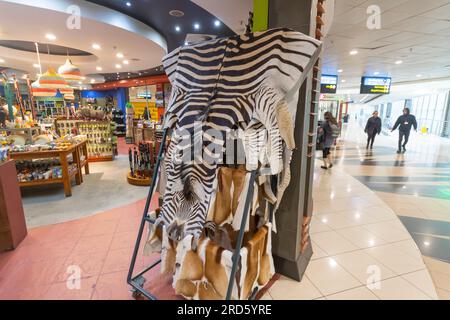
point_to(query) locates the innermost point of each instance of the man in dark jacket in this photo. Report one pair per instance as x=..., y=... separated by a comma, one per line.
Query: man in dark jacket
x=373, y=127
x=404, y=124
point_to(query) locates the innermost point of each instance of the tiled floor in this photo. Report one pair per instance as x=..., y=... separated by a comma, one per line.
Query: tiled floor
x=361, y=251
x=100, y=247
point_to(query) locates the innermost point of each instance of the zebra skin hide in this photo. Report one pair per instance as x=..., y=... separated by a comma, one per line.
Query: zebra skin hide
x=246, y=86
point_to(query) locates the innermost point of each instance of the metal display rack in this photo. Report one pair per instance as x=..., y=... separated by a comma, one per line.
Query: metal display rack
x=137, y=281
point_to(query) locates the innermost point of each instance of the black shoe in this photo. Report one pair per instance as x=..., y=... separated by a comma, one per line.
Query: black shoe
x=399, y=151
x=331, y=166
x=371, y=147
x=404, y=149
x=323, y=167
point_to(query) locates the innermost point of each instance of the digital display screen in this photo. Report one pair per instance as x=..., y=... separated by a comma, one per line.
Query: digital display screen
x=375, y=85
x=328, y=83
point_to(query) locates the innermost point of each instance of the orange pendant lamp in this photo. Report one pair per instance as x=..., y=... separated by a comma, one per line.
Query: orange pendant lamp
x=39, y=91
x=70, y=72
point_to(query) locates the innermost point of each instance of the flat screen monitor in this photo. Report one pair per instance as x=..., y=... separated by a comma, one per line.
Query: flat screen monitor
x=328, y=83
x=375, y=85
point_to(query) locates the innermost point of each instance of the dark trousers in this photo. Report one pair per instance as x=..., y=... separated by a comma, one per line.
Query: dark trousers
x=371, y=139
x=402, y=134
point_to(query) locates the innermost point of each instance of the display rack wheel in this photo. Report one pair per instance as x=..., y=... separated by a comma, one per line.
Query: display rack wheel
x=140, y=281
x=138, y=182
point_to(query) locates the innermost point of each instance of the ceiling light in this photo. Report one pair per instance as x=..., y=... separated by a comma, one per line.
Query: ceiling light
x=118, y=66
x=376, y=73
x=398, y=62
x=128, y=4
x=353, y=52
x=37, y=66
x=79, y=82
x=92, y=80
x=426, y=243
x=2, y=60
x=99, y=68
x=340, y=70
x=125, y=62
x=119, y=55
x=343, y=80
x=418, y=75
x=177, y=28
x=50, y=36
x=176, y=13
x=196, y=26
x=217, y=23
x=186, y=43
x=96, y=46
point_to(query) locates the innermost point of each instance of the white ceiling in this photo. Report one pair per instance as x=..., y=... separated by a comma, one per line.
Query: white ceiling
x=113, y=31
x=414, y=31
x=234, y=14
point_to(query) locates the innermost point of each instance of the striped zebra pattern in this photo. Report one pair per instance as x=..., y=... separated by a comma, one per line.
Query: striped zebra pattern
x=246, y=83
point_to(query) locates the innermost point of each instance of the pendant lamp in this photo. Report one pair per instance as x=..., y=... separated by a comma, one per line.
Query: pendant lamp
x=52, y=80
x=69, y=71
x=39, y=91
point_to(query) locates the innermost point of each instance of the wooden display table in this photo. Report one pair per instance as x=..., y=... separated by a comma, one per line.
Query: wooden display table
x=27, y=131
x=13, y=228
x=76, y=151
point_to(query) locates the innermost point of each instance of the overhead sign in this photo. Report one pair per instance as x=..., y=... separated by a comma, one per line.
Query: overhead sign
x=328, y=83
x=375, y=85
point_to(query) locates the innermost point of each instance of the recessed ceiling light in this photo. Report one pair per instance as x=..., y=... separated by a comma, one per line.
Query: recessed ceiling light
x=2, y=60
x=196, y=26
x=376, y=73
x=99, y=68
x=119, y=55
x=125, y=62
x=340, y=70
x=128, y=4
x=343, y=80
x=353, y=52
x=96, y=46
x=118, y=66
x=418, y=75
x=37, y=66
x=398, y=62
x=50, y=36
x=176, y=13
x=217, y=23
x=177, y=28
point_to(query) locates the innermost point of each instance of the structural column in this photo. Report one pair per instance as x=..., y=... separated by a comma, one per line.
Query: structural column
x=291, y=244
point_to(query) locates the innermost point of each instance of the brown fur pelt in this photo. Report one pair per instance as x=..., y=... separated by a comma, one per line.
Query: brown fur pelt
x=203, y=274
x=88, y=113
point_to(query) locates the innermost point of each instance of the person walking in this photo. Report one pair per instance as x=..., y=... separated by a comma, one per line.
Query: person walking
x=328, y=132
x=373, y=127
x=404, y=124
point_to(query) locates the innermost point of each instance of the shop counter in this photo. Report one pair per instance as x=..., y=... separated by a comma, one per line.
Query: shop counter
x=76, y=150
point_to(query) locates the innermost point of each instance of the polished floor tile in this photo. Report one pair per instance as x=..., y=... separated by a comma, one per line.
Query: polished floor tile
x=422, y=280
x=360, y=293
x=329, y=277
x=332, y=243
x=288, y=289
x=398, y=289
x=363, y=267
